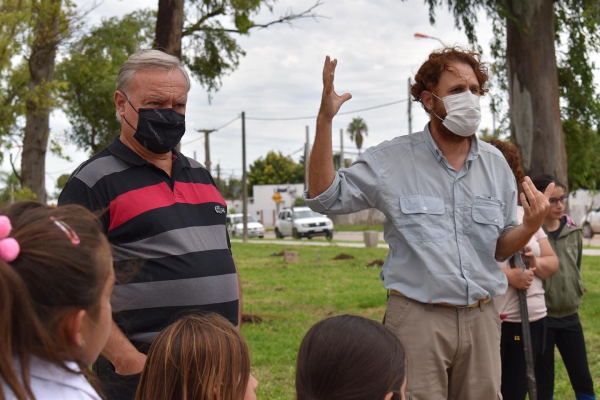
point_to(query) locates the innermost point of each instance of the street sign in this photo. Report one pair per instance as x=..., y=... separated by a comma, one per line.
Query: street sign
x=276, y=198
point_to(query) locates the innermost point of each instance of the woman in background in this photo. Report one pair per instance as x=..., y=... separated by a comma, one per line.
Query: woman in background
x=564, y=294
x=543, y=263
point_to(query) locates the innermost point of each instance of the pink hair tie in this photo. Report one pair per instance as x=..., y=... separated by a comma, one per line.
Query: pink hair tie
x=9, y=247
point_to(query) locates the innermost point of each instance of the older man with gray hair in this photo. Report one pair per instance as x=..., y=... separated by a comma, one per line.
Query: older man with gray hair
x=161, y=208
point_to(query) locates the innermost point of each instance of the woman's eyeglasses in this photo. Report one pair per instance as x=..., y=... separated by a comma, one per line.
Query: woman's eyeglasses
x=554, y=200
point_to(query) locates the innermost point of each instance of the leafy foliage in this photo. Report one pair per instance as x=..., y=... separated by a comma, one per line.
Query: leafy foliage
x=577, y=24
x=13, y=191
x=275, y=168
x=209, y=47
x=90, y=71
x=230, y=188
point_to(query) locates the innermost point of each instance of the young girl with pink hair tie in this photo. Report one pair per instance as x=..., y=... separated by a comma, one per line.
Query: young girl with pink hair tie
x=56, y=278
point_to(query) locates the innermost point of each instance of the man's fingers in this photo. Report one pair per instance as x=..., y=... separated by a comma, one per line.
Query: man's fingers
x=326, y=68
x=549, y=190
x=328, y=75
x=530, y=195
x=345, y=97
x=524, y=203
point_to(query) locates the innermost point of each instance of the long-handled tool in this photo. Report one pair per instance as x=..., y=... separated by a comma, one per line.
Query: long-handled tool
x=517, y=261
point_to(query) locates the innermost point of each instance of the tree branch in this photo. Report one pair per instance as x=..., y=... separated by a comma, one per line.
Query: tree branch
x=198, y=25
x=12, y=164
x=288, y=19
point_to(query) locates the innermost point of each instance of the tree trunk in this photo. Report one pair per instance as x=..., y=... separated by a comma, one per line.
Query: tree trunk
x=37, y=125
x=169, y=26
x=532, y=75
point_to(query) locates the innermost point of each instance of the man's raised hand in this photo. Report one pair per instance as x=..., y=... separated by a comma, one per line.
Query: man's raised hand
x=535, y=204
x=331, y=102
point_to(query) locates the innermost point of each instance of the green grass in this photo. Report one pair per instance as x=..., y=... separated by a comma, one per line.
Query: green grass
x=357, y=228
x=301, y=294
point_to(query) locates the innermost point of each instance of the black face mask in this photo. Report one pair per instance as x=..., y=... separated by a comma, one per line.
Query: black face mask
x=158, y=129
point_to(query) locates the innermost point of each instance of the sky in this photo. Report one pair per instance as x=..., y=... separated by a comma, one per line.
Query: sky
x=281, y=77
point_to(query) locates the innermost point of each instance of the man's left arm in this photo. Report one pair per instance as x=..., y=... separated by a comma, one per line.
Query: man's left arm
x=535, y=205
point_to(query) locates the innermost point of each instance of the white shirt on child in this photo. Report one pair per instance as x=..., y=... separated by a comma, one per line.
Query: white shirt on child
x=50, y=382
x=508, y=303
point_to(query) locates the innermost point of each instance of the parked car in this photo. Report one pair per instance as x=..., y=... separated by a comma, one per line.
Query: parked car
x=591, y=223
x=235, y=226
x=299, y=222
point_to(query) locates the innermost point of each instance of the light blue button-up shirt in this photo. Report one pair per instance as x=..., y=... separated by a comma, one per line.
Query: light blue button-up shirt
x=442, y=225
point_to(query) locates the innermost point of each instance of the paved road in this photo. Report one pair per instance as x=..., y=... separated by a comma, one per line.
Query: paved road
x=354, y=239
x=343, y=236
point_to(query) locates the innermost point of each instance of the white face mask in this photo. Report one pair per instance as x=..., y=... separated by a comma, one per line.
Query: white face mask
x=463, y=114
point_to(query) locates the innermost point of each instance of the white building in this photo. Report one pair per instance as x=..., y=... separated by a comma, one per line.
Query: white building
x=263, y=207
x=580, y=201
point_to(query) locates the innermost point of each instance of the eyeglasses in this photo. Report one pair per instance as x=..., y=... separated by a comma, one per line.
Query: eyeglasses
x=563, y=199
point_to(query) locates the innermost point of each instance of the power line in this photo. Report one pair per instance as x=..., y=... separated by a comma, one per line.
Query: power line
x=297, y=151
x=313, y=117
x=213, y=130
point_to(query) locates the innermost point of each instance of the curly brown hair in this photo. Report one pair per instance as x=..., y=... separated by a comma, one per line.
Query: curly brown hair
x=511, y=153
x=439, y=61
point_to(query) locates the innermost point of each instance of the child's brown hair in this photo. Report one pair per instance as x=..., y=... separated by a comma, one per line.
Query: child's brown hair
x=199, y=357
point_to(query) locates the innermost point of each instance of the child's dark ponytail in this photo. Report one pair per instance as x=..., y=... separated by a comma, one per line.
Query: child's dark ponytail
x=52, y=274
x=16, y=316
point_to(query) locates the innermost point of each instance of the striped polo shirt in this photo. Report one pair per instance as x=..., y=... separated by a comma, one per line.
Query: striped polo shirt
x=172, y=229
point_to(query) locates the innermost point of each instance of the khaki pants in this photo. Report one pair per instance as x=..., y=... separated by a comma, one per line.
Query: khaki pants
x=452, y=353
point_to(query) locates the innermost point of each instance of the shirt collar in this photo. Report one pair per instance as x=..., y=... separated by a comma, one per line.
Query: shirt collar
x=48, y=371
x=120, y=149
x=178, y=156
x=437, y=153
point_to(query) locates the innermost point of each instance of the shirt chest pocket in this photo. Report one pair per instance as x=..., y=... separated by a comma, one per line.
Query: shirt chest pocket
x=422, y=219
x=488, y=223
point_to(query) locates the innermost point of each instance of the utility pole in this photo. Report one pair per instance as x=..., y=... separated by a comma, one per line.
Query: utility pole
x=306, y=155
x=195, y=155
x=244, y=181
x=206, y=146
x=409, y=109
x=342, y=148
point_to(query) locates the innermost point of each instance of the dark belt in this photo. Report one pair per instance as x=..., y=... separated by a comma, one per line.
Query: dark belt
x=477, y=304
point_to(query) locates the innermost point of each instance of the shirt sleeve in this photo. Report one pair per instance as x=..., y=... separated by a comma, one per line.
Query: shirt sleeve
x=510, y=210
x=540, y=235
x=77, y=192
x=353, y=189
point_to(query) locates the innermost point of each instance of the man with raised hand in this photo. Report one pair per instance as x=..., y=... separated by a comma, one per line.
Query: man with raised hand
x=163, y=212
x=450, y=204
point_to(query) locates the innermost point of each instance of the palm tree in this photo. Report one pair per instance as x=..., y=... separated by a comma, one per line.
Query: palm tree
x=357, y=129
